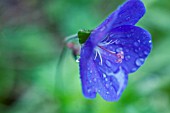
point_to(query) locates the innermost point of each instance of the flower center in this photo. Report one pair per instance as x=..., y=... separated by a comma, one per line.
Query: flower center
x=119, y=55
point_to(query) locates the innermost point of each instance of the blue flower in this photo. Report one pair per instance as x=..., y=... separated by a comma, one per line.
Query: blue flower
x=113, y=50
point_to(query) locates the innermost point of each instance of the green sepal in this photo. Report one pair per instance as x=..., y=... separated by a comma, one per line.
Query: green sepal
x=83, y=35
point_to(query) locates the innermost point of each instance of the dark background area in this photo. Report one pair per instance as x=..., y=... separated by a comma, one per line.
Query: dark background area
x=31, y=41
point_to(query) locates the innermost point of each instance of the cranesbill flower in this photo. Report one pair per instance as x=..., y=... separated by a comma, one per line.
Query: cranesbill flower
x=113, y=50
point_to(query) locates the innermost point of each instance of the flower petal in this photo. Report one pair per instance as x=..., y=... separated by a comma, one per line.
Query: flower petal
x=107, y=79
x=87, y=72
x=127, y=14
x=112, y=79
x=134, y=42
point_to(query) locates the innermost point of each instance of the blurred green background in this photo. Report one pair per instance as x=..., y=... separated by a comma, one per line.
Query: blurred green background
x=31, y=40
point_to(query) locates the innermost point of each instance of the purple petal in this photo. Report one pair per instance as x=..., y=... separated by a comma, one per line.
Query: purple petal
x=127, y=14
x=134, y=42
x=99, y=73
x=112, y=79
x=87, y=71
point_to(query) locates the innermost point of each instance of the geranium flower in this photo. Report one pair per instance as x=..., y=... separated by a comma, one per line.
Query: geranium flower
x=113, y=50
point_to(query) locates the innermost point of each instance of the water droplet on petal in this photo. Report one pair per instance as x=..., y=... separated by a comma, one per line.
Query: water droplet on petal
x=94, y=79
x=128, y=18
x=136, y=44
x=119, y=49
x=126, y=50
x=78, y=60
x=103, y=28
x=106, y=79
x=139, y=61
x=134, y=69
x=150, y=41
x=111, y=87
x=127, y=57
x=136, y=50
x=107, y=85
x=129, y=35
x=89, y=90
x=146, y=53
x=108, y=63
x=111, y=35
x=91, y=71
x=104, y=75
x=107, y=92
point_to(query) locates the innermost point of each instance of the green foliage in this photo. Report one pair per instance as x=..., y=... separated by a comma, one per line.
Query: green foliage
x=31, y=41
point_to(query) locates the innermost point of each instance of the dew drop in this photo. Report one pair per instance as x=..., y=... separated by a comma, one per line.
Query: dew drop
x=111, y=35
x=128, y=18
x=91, y=71
x=139, y=61
x=88, y=69
x=150, y=41
x=78, y=60
x=94, y=79
x=134, y=69
x=136, y=44
x=127, y=57
x=126, y=50
x=119, y=49
x=106, y=79
x=145, y=52
x=89, y=90
x=107, y=92
x=128, y=35
x=107, y=85
x=103, y=28
x=104, y=75
x=108, y=63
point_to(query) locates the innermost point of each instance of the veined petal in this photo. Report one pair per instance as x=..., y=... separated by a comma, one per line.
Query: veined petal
x=134, y=42
x=127, y=14
x=112, y=79
x=87, y=71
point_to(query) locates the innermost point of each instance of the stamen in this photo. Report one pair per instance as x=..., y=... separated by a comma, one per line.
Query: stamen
x=119, y=55
x=111, y=52
x=97, y=52
x=100, y=57
x=95, y=56
x=105, y=43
